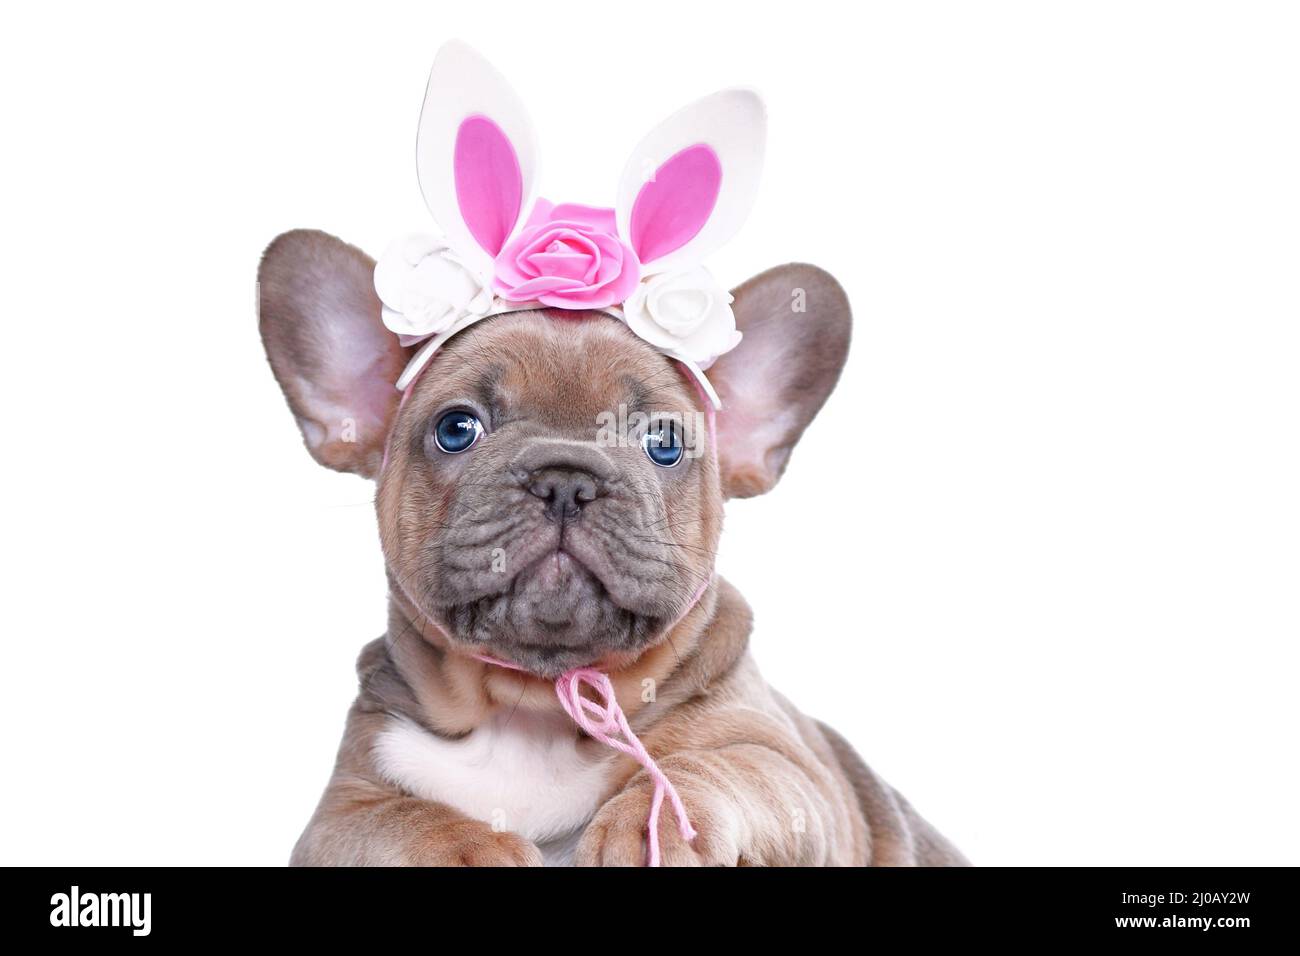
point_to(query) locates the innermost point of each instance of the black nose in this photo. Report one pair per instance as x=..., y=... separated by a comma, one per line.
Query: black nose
x=564, y=490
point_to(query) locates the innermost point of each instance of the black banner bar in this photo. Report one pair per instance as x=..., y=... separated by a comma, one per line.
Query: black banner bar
x=1222, y=907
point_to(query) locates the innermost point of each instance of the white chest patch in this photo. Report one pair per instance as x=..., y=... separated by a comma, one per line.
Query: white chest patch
x=520, y=772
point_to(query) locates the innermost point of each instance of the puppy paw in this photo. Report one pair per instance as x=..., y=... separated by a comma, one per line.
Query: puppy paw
x=472, y=843
x=616, y=835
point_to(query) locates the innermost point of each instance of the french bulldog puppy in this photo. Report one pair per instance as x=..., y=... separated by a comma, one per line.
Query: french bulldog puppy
x=547, y=545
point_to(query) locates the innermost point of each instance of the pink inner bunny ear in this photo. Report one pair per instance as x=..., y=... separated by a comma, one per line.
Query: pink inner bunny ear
x=673, y=207
x=489, y=183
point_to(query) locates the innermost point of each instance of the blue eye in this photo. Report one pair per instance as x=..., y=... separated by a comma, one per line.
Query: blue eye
x=457, y=431
x=663, y=444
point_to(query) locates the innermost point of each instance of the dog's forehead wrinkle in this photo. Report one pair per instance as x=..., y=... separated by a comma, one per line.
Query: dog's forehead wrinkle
x=561, y=370
x=638, y=392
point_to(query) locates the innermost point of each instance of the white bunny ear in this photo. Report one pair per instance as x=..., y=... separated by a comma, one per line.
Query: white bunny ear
x=689, y=185
x=476, y=154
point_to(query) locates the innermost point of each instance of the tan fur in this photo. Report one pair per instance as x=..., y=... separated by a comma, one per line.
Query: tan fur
x=763, y=784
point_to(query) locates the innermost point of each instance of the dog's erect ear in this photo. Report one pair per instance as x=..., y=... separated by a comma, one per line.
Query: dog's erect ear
x=795, y=319
x=319, y=318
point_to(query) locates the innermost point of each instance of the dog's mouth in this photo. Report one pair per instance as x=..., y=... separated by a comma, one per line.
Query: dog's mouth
x=555, y=615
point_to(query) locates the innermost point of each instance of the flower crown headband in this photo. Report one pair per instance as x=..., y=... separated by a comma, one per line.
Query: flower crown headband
x=685, y=191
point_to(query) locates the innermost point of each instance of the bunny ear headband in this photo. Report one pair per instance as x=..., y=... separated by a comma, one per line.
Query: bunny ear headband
x=686, y=190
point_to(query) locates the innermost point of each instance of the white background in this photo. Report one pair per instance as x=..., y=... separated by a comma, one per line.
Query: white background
x=1039, y=559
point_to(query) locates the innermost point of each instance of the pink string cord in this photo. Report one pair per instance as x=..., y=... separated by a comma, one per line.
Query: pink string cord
x=604, y=720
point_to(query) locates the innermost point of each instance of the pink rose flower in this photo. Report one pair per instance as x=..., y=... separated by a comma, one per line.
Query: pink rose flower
x=567, y=257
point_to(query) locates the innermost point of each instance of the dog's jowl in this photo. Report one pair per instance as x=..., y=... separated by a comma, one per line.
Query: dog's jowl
x=564, y=677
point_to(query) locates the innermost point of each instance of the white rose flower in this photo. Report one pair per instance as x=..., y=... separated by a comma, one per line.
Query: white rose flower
x=686, y=313
x=425, y=287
